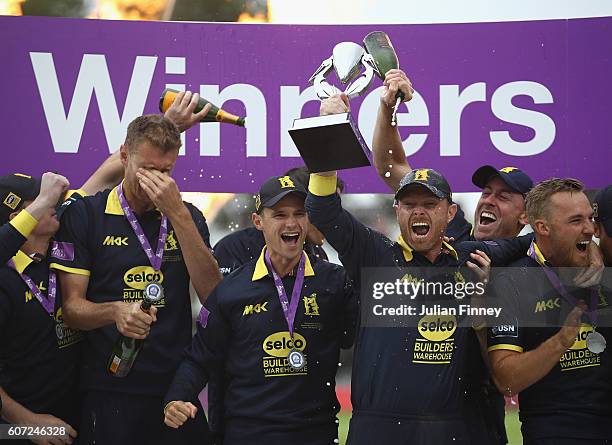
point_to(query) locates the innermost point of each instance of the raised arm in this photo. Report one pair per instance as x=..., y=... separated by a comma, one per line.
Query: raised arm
x=356, y=244
x=181, y=112
x=14, y=233
x=108, y=175
x=500, y=251
x=387, y=149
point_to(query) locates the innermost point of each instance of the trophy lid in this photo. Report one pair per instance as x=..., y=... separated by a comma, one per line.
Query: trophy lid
x=347, y=60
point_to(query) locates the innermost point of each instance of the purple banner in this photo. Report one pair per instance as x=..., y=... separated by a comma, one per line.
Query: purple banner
x=535, y=95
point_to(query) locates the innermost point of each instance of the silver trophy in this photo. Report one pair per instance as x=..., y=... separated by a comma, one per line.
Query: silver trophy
x=334, y=142
x=347, y=59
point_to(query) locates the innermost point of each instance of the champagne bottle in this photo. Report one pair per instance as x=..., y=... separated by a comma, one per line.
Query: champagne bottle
x=381, y=49
x=126, y=349
x=379, y=46
x=215, y=114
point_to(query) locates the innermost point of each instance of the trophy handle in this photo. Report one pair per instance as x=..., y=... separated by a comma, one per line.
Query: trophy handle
x=323, y=69
x=322, y=88
x=361, y=84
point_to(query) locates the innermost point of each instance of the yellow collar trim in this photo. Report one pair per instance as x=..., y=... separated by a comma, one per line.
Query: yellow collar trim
x=540, y=258
x=451, y=250
x=21, y=261
x=113, y=206
x=261, y=270
x=406, y=249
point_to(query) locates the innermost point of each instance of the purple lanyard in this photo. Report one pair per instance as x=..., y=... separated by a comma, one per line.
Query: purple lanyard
x=156, y=259
x=49, y=302
x=289, y=309
x=558, y=285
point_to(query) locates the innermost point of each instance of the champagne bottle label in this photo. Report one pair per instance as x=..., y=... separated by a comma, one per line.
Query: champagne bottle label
x=215, y=114
x=115, y=364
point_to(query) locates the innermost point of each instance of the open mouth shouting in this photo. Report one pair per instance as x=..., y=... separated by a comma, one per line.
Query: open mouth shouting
x=291, y=238
x=420, y=229
x=487, y=218
x=583, y=245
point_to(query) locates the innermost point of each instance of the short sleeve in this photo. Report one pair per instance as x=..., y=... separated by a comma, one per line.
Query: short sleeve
x=505, y=332
x=70, y=252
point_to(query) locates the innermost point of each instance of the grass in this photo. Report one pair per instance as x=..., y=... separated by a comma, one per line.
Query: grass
x=513, y=427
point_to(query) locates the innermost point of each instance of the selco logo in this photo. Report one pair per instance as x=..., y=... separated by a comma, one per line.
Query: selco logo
x=138, y=277
x=280, y=344
x=437, y=327
x=583, y=333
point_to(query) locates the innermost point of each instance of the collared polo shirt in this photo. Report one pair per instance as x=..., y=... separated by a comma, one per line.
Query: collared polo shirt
x=96, y=240
x=573, y=399
x=246, y=336
x=38, y=353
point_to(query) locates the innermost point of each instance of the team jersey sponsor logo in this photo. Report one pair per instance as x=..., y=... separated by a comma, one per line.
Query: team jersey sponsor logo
x=276, y=348
x=408, y=278
x=66, y=336
x=603, y=301
x=250, y=309
x=578, y=356
x=545, y=305
x=28, y=294
x=437, y=343
x=136, y=279
x=505, y=330
x=117, y=241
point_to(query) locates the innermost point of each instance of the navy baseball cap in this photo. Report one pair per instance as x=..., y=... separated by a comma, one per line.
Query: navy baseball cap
x=602, y=208
x=514, y=177
x=16, y=189
x=428, y=178
x=275, y=189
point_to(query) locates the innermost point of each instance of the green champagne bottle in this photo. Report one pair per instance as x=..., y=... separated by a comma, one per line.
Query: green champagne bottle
x=378, y=44
x=126, y=349
x=215, y=114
